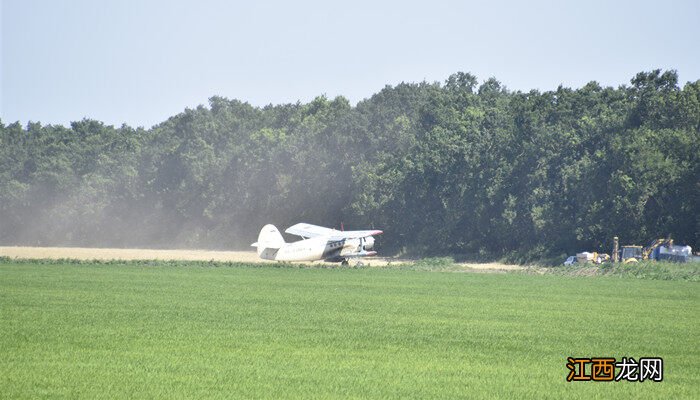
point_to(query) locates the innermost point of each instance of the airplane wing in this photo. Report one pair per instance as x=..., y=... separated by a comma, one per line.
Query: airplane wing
x=356, y=234
x=309, y=231
x=363, y=253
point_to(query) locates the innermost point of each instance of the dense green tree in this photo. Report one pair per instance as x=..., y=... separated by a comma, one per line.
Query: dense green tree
x=453, y=168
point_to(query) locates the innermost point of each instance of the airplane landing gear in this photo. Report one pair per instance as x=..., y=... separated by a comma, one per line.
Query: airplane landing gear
x=356, y=263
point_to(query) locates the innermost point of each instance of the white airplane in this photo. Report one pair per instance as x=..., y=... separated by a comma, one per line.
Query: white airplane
x=318, y=243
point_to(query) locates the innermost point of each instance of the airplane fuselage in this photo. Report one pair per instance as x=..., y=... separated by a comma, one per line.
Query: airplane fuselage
x=318, y=248
x=318, y=243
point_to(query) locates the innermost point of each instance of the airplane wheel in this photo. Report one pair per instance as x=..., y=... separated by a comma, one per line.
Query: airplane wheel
x=344, y=263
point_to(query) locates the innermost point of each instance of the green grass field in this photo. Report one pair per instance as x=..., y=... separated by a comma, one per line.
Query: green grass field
x=175, y=330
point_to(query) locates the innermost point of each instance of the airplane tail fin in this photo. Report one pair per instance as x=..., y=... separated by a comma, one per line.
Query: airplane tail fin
x=269, y=241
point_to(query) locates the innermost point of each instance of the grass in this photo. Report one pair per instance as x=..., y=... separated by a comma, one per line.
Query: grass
x=655, y=270
x=640, y=270
x=195, y=330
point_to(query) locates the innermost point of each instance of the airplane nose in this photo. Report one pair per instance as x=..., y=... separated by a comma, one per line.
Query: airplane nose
x=369, y=243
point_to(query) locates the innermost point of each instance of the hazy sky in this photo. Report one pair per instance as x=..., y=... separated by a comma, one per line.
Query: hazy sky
x=140, y=62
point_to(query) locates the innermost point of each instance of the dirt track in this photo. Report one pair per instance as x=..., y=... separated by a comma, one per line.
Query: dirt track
x=82, y=253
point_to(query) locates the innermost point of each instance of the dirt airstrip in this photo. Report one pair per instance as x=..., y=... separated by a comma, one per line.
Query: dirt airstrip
x=82, y=253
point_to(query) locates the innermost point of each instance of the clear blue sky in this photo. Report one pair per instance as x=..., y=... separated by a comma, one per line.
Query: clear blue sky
x=140, y=62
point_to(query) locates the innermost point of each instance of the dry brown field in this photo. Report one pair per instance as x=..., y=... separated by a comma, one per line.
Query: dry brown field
x=84, y=253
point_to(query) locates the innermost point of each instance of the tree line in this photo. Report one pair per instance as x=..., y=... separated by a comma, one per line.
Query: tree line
x=455, y=167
